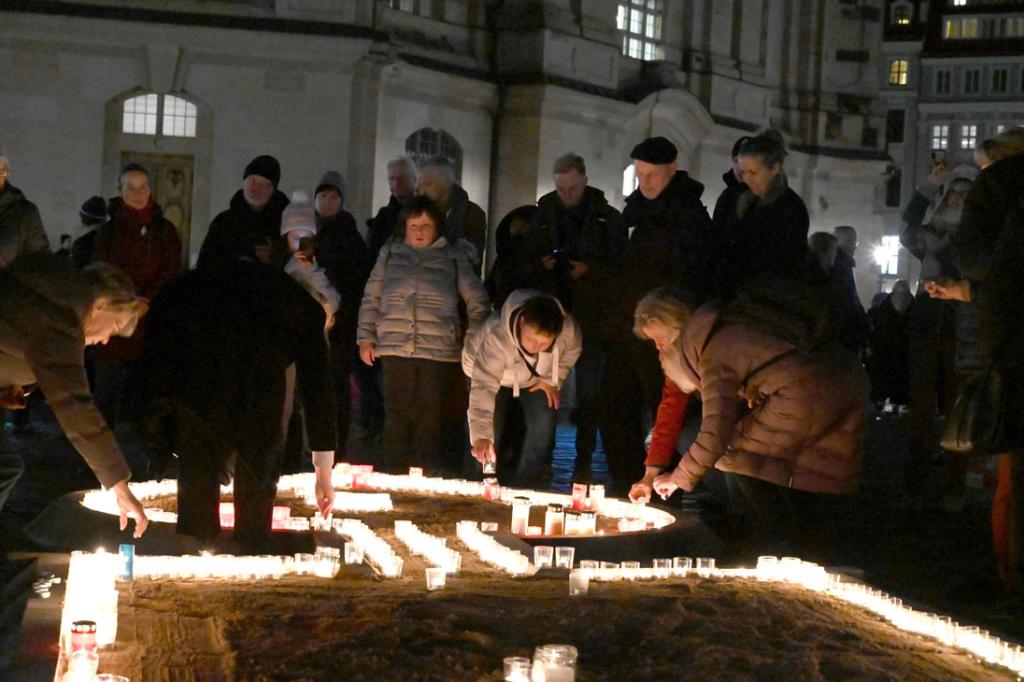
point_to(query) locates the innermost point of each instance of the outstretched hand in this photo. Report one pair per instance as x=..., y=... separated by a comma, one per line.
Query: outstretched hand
x=129, y=506
x=324, y=490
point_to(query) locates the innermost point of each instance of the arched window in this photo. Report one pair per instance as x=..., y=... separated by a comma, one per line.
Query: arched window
x=142, y=113
x=427, y=142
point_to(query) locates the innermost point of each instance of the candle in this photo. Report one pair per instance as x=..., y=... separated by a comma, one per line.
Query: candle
x=415, y=472
x=520, y=515
x=489, y=526
x=517, y=669
x=554, y=520
x=587, y=523
x=534, y=530
x=126, y=554
x=630, y=570
x=353, y=553
x=681, y=566
x=595, y=500
x=767, y=568
x=491, y=489
x=705, y=566
x=542, y=556
x=579, y=496
x=579, y=583
x=571, y=522
x=564, y=556
x=435, y=578
x=662, y=568
x=554, y=663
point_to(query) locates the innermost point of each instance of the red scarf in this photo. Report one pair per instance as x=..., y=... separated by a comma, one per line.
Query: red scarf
x=128, y=217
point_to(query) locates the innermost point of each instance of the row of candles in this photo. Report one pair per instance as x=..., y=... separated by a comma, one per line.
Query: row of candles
x=493, y=552
x=433, y=548
x=91, y=593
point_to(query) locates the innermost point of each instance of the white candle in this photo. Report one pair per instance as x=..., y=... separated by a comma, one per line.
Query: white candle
x=520, y=515
x=435, y=578
x=579, y=582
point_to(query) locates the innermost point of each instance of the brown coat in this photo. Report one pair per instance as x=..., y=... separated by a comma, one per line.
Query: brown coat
x=804, y=430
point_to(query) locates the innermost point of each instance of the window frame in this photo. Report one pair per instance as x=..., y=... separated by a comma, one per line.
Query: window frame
x=939, y=133
x=899, y=72
x=187, y=114
x=642, y=24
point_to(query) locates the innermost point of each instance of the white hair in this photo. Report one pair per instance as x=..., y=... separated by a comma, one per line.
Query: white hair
x=408, y=163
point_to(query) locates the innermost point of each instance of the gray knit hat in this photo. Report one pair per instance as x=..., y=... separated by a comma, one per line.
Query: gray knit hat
x=331, y=179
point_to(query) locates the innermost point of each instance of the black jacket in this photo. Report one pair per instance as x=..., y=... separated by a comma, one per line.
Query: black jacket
x=217, y=345
x=234, y=232
x=725, y=207
x=928, y=315
x=342, y=253
x=21, y=228
x=767, y=237
x=595, y=236
x=466, y=220
x=854, y=331
x=670, y=245
x=382, y=227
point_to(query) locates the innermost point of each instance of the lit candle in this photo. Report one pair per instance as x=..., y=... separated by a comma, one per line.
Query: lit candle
x=587, y=523
x=543, y=555
x=520, y=515
x=579, y=496
x=491, y=489
x=705, y=566
x=662, y=568
x=564, y=557
x=435, y=578
x=554, y=520
x=681, y=566
x=579, y=583
x=595, y=499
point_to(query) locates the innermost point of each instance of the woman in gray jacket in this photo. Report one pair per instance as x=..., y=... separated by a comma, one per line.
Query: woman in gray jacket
x=410, y=319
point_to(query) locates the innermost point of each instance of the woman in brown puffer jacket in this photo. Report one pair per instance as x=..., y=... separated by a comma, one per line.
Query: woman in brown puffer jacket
x=787, y=422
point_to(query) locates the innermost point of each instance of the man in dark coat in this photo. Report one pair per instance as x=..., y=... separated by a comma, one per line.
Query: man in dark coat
x=670, y=244
x=218, y=342
x=384, y=225
x=342, y=253
x=21, y=228
x=573, y=250
x=93, y=215
x=464, y=220
x=252, y=224
x=854, y=333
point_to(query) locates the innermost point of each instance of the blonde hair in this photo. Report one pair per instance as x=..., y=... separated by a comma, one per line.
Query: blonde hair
x=661, y=305
x=109, y=282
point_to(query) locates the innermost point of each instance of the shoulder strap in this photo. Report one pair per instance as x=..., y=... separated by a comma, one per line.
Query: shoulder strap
x=717, y=327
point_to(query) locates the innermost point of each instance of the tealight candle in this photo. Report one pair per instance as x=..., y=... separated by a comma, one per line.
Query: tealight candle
x=415, y=472
x=681, y=566
x=662, y=568
x=520, y=515
x=517, y=669
x=353, y=553
x=542, y=556
x=564, y=557
x=630, y=570
x=705, y=566
x=534, y=530
x=491, y=489
x=579, y=583
x=435, y=578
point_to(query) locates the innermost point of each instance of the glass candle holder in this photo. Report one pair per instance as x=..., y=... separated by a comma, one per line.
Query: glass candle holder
x=543, y=555
x=554, y=520
x=630, y=570
x=435, y=578
x=767, y=567
x=489, y=527
x=681, y=566
x=705, y=566
x=490, y=464
x=662, y=568
x=520, y=515
x=534, y=530
x=579, y=496
x=517, y=669
x=595, y=498
x=588, y=523
x=353, y=553
x=554, y=663
x=579, y=583
x=491, y=489
x=564, y=557
x=572, y=522
x=415, y=472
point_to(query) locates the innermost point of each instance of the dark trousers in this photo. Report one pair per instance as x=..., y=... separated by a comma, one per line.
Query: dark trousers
x=632, y=391
x=933, y=385
x=589, y=378
x=204, y=461
x=116, y=390
x=371, y=398
x=533, y=440
x=342, y=358
x=416, y=397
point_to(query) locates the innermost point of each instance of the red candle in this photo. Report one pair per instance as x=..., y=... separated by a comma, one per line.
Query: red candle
x=579, y=495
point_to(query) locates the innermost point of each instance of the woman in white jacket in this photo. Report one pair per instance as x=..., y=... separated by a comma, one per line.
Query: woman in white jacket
x=410, y=320
x=523, y=353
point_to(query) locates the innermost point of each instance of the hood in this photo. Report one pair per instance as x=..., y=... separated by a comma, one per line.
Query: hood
x=681, y=190
x=512, y=304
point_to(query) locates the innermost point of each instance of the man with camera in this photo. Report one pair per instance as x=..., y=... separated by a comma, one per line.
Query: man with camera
x=574, y=250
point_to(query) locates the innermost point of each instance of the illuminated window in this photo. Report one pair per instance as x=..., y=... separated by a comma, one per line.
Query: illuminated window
x=1000, y=128
x=940, y=137
x=898, y=72
x=943, y=82
x=901, y=15
x=629, y=181
x=968, y=136
x=959, y=3
x=179, y=117
x=887, y=255
x=139, y=115
x=972, y=81
x=1000, y=80
x=640, y=23
x=427, y=142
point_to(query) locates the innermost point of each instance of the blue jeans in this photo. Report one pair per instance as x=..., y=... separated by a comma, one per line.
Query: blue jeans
x=589, y=377
x=532, y=468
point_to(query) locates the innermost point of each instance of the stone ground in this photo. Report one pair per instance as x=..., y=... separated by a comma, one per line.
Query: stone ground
x=909, y=547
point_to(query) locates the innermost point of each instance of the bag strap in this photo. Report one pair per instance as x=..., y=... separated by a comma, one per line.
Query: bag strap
x=717, y=326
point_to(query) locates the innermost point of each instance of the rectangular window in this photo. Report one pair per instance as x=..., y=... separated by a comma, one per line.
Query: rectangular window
x=1000, y=128
x=898, y=72
x=640, y=23
x=968, y=136
x=940, y=137
x=972, y=81
x=139, y=115
x=943, y=82
x=1000, y=81
x=887, y=255
x=894, y=126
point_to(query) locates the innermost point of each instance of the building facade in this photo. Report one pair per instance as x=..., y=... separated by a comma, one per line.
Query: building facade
x=194, y=90
x=952, y=76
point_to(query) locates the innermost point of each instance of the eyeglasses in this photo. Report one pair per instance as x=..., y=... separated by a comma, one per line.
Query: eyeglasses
x=4, y=172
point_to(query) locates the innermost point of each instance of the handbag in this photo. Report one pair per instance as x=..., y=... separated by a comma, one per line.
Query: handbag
x=976, y=426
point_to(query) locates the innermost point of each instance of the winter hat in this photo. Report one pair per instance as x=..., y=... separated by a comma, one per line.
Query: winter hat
x=266, y=167
x=299, y=214
x=657, y=150
x=94, y=210
x=331, y=179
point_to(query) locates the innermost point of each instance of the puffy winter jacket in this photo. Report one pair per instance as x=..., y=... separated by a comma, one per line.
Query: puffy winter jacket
x=410, y=306
x=804, y=429
x=494, y=358
x=21, y=228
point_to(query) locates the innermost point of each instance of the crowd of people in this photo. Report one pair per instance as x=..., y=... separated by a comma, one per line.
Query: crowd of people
x=733, y=342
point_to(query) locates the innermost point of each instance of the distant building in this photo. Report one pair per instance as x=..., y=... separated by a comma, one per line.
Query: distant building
x=952, y=75
x=500, y=88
